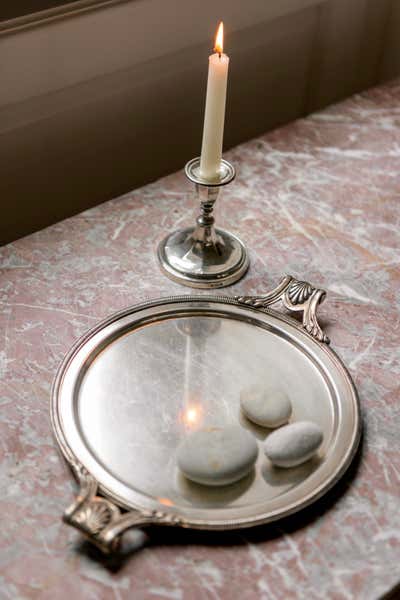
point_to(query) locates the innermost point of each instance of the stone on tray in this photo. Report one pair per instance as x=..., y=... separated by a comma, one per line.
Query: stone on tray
x=268, y=407
x=217, y=456
x=293, y=444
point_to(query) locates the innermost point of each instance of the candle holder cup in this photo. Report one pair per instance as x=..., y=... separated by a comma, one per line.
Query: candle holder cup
x=204, y=256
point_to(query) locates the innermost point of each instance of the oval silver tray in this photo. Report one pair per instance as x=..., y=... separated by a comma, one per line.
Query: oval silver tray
x=135, y=385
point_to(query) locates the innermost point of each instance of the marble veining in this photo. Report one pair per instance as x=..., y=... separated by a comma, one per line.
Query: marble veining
x=318, y=198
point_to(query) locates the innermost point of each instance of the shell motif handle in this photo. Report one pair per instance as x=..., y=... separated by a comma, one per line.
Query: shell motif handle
x=100, y=520
x=296, y=296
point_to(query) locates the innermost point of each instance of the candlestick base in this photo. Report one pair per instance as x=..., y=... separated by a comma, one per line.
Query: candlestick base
x=187, y=260
x=204, y=256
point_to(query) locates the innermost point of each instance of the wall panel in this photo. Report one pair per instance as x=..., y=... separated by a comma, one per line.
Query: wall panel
x=81, y=129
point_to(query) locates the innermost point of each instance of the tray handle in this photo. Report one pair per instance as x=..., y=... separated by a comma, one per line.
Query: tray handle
x=296, y=295
x=100, y=520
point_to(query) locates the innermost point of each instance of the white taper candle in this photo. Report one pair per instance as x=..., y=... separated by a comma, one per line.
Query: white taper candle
x=214, y=117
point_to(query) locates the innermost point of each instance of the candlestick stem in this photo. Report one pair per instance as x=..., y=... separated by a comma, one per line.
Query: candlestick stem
x=205, y=231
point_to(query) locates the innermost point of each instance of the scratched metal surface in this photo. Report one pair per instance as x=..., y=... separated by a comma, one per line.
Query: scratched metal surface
x=134, y=389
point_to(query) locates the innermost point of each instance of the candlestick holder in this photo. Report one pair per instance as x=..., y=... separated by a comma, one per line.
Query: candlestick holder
x=204, y=256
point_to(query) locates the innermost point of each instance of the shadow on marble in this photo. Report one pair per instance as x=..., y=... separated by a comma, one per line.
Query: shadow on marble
x=133, y=541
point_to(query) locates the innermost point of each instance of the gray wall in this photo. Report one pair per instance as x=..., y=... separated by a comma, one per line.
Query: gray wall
x=90, y=109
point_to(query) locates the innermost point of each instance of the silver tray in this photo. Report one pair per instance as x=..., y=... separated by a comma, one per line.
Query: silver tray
x=136, y=384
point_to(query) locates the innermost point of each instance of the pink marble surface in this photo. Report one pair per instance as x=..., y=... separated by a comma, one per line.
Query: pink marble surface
x=318, y=198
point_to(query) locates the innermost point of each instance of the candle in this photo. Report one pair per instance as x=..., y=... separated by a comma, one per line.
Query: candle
x=213, y=132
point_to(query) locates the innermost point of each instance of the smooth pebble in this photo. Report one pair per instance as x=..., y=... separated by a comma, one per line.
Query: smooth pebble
x=217, y=456
x=293, y=444
x=265, y=406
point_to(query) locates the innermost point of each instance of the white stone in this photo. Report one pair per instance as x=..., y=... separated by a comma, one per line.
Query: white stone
x=217, y=456
x=293, y=444
x=268, y=407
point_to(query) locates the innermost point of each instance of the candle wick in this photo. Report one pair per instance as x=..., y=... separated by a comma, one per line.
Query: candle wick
x=217, y=51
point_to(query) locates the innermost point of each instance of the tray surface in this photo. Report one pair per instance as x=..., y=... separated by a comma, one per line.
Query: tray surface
x=133, y=388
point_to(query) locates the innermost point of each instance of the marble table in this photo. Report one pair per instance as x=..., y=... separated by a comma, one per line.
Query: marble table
x=318, y=198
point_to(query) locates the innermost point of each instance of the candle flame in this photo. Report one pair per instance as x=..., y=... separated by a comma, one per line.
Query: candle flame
x=219, y=39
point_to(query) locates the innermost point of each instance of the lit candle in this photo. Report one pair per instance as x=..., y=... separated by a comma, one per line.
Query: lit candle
x=213, y=132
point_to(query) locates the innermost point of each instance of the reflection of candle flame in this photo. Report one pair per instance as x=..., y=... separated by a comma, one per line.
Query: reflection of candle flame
x=219, y=40
x=165, y=501
x=192, y=415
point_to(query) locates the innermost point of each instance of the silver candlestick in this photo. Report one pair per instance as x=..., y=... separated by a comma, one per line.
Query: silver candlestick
x=204, y=256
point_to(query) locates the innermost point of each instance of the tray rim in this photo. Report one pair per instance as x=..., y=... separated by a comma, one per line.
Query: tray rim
x=171, y=519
